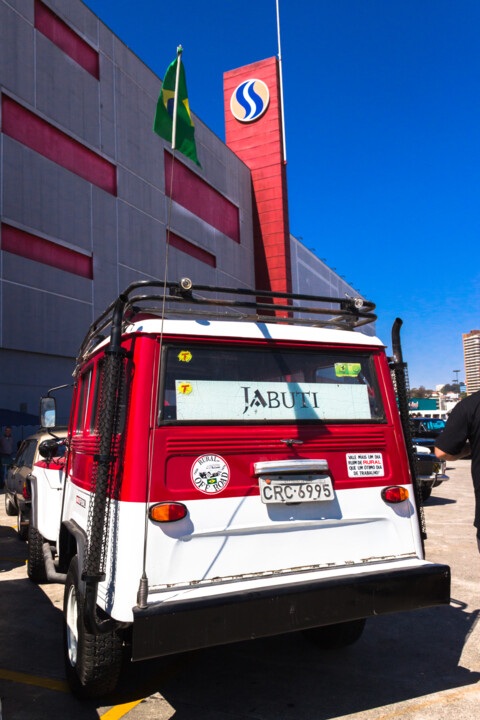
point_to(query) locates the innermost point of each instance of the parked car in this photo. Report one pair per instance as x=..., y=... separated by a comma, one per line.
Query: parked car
x=425, y=430
x=430, y=471
x=17, y=482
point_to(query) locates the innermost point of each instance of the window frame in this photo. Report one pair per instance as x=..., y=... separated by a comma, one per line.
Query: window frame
x=83, y=397
x=23, y=450
x=369, y=354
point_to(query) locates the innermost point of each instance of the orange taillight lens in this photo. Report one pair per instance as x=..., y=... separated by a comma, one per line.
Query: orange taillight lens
x=167, y=512
x=395, y=494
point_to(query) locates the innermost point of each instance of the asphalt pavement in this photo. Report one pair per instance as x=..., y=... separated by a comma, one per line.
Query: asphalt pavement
x=422, y=665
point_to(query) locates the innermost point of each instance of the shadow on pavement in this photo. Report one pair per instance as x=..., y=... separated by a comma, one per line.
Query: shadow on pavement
x=31, y=644
x=438, y=500
x=399, y=657
x=13, y=551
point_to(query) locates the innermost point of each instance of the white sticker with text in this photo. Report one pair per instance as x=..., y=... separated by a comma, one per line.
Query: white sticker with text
x=365, y=465
x=228, y=400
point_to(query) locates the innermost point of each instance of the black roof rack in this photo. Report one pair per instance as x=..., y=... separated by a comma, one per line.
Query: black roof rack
x=349, y=313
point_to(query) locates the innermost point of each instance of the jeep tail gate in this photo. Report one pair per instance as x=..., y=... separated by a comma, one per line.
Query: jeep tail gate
x=230, y=479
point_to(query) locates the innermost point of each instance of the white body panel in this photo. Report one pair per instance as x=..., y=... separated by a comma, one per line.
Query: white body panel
x=249, y=543
x=251, y=330
x=227, y=544
x=47, y=490
x=76, y=505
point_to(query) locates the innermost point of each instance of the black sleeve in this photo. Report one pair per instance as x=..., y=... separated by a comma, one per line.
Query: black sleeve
x=452, y=440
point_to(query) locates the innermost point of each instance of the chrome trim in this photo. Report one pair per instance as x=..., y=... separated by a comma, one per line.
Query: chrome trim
x=436, y=478
x=290, y=466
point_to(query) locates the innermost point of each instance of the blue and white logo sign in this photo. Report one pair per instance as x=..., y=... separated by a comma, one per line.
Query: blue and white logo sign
x=249, y=100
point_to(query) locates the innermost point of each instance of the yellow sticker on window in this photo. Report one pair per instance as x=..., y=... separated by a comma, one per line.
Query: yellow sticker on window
x=347, y=369
x=184, y=388
x=185, y=356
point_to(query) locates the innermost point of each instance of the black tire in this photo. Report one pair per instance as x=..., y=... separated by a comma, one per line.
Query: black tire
x=425, y=492
x=36, y=564
x=22, y=528
x=10, y=508
x=92, y=662
x=340, y=635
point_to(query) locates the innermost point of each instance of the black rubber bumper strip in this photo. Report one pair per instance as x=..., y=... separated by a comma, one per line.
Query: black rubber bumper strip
x=188, y=624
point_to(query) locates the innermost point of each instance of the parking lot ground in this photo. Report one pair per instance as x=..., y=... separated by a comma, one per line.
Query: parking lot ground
x=418, y=665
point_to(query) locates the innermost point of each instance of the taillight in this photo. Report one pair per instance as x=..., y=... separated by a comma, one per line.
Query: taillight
x=167, y=512
x=26, y=491
x=395, y=494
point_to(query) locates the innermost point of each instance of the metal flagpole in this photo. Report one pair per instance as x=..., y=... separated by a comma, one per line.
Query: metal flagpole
x=174, y=134
x=175, y=99
x=142, y=594
x=281, y=86
x=174, y=138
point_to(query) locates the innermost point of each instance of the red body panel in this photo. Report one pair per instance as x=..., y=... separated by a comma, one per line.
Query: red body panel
x=172, y=449
x=55, y=463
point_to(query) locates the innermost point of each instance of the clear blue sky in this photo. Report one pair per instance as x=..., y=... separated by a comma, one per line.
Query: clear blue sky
x=382, y=108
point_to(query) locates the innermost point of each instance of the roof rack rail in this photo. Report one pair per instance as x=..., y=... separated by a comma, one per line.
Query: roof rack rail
x=351, y=312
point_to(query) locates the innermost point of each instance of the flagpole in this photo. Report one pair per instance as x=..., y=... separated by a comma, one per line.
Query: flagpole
x=142, y=594
x=174, y=138
x=175, y=99
x=143, y=587
x=281, y=85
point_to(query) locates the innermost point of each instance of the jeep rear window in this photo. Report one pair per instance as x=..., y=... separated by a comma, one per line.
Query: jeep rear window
x=202, y=384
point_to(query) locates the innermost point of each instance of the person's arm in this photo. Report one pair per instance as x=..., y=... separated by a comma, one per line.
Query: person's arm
x=452, y=443
x=441, y=455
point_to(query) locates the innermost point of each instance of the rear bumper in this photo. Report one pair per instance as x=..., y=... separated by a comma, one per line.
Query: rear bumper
x=433, y=480
x=22, y=505
x=171, y=627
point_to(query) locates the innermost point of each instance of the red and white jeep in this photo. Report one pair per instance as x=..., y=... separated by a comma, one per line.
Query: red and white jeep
x=228, y=479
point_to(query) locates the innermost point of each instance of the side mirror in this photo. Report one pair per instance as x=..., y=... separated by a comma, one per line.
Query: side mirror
x=48, y=412
x=48, y=448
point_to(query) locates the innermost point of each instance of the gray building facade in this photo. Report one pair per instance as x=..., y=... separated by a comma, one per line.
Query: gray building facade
x=83, y=206
x=84, y=196
x=312, y=275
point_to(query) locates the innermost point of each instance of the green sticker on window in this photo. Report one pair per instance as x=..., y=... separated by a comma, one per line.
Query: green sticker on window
x=347, y=369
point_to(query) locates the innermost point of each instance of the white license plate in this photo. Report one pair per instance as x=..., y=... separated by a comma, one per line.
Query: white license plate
x=296, y=490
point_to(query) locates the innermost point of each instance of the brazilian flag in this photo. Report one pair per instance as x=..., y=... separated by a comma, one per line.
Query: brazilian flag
x=163, y=125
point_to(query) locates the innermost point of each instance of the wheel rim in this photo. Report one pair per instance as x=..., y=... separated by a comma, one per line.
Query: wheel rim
x=19, y=523
x=72, y=626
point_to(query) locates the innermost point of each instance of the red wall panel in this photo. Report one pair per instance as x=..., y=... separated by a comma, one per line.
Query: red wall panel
x=192, y=250
x=37, y=134
x=66, y=39
x=32, y=247
x=260, y=145
x=197, y=196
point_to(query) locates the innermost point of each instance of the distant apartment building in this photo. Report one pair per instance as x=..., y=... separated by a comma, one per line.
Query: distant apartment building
x=471, y=351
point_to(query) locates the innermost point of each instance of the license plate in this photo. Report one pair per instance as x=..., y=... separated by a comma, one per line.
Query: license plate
x=295, y=490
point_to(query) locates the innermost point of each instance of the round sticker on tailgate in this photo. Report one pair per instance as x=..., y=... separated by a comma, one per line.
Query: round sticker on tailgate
x=210, y=474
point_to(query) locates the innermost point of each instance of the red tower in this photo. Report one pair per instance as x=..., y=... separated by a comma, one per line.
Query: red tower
x=253, y=130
